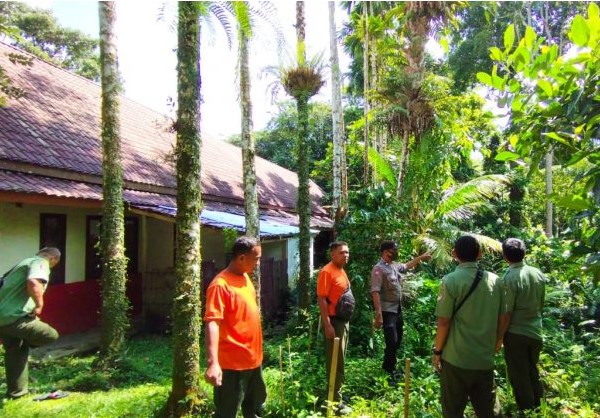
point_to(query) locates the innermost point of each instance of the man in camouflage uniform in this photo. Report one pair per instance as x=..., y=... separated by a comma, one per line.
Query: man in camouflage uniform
x=386, y=289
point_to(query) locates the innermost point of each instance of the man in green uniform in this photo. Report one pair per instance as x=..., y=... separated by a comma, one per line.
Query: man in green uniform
x=467, y=332
x=21, y=302
x=523, y=339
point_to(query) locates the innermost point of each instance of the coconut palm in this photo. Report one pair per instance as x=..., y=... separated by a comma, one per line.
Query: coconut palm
x=114, y=321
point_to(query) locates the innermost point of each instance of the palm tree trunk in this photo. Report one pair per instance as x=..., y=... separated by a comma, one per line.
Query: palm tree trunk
x=365, y=94
x=403, y=161
x=186, y=301
x=303, y=205
x=248, y=152
x=114, y=264
x=337, y=117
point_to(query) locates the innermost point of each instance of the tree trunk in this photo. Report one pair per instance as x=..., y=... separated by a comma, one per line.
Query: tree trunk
x=114, y=321
x=303, y=205
x=337, y=117
x=300, y=34
x=248, y=152
x=186, y=301
x=365, y=94
x=403, y=161
x=549, y=208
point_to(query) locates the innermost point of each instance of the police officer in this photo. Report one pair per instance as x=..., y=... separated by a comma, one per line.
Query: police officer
x=386, y=289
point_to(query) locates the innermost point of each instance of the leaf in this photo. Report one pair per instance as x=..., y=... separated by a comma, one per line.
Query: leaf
x=382, y=167
x=545, y=86
x=495, y=54
x=485, y=78
x=575, y=202
x=509, y=37
x=580, y=32
x=507, y=156
x=444, y=44
x=530, y=37
x=558, y=138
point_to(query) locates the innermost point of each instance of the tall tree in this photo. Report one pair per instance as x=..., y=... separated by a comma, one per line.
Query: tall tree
x=302, y=82
x=340, y=185
x=38, y=32
x=248, y=146
x=186, y=304
x=112, y=244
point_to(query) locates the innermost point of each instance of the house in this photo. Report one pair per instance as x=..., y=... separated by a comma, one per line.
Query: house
x=51, y=194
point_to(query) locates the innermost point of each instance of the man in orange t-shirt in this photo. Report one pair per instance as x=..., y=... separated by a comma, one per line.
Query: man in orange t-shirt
x=331, y=283
x=234, y=336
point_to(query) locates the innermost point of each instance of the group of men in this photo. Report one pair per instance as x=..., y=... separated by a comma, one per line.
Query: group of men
x=477, y=312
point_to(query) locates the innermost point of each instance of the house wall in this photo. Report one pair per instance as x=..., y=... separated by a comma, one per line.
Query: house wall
x=20, y=235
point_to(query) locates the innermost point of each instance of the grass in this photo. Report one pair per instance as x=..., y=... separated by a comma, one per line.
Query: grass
x=139, y=387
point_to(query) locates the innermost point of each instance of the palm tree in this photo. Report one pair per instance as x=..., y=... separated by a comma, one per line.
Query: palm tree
x=302, y=82
x=186, y=303
x=340, y=193
x=437, y=229
x=114, y=322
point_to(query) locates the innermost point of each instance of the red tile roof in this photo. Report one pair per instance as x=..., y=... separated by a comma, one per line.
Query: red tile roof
x=57, y=125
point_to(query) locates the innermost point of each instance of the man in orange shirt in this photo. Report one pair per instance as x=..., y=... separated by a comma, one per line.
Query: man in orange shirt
x=234, y=336
x=331, y=284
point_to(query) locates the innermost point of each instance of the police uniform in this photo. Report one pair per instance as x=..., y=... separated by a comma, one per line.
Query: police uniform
x=386, y=279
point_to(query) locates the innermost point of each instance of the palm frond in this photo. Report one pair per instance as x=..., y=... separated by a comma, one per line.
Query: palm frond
x=224, y=13
x=470, y=194
x=487, y=244
x=382, y=167
x=438, y=247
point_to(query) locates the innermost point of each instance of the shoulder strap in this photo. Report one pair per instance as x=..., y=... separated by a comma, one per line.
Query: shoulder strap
x=9, y=271
x=478, y=277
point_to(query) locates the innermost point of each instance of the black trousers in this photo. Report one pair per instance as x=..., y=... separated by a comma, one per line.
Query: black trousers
x=522, y=355
x=393, y=328
x=240, y=387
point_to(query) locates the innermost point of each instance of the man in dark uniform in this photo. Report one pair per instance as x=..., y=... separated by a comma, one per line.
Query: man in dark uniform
x=386, y=289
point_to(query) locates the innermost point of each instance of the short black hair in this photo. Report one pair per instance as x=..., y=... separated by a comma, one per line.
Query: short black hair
x=243, y=245
x=513, y=250
x=467, y=248
x=388, y=245
x=336, y=244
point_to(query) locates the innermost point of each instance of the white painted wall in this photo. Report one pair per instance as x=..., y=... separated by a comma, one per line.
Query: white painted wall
x=20, y=235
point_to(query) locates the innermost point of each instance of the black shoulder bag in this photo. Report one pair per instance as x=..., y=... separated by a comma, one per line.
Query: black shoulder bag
x=478, y=277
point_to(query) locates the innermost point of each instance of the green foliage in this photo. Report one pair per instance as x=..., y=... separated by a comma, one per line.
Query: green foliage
x=37, y=31
x=553, y=104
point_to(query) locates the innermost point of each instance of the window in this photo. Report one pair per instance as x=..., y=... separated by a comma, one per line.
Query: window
x=53, y=233
x=93, y=262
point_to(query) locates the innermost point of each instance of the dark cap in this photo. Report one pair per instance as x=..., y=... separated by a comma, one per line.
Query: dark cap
x=388, y=245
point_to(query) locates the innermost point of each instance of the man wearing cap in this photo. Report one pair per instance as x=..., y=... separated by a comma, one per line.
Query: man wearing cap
x=386, y=289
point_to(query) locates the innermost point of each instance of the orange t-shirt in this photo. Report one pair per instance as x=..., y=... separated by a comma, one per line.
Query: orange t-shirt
x=331, y=283
x=231, y=301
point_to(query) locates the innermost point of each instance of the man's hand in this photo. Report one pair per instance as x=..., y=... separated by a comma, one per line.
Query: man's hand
x=378, y=321
x=437, y=362
x=498, y=346
x=329, y=331
x=425, y=256
x=37, y=311
x=214, y=374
